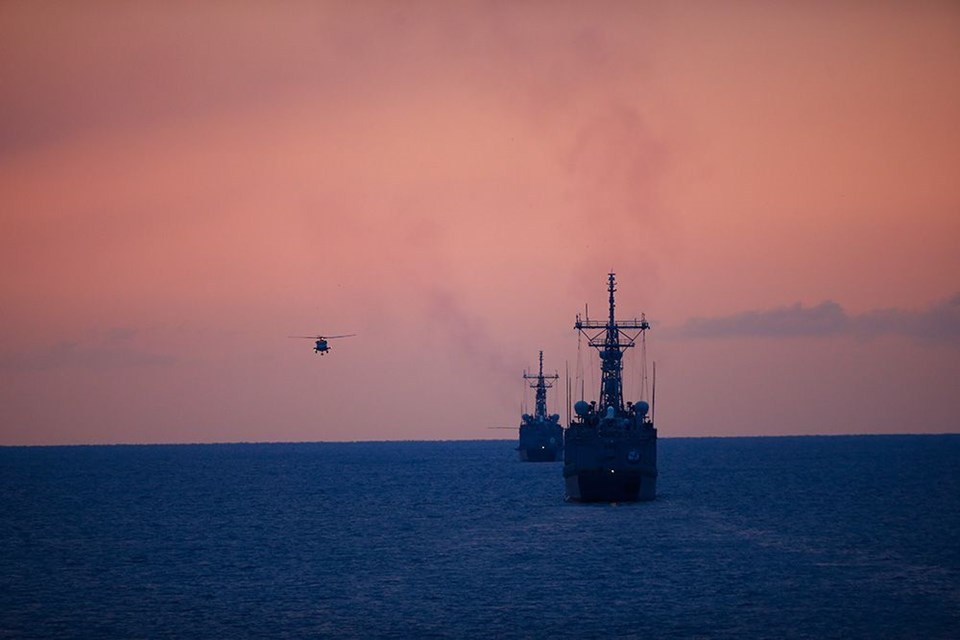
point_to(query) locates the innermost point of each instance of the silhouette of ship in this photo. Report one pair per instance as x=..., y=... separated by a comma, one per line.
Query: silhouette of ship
x=541, y=436
x=610, y=448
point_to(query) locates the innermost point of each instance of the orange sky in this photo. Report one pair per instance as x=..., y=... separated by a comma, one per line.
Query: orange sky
x=184, y=186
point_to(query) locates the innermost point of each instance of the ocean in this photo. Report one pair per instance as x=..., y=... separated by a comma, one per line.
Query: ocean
x=788, y=537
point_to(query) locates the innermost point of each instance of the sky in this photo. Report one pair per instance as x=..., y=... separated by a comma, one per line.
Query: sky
x=185, y=185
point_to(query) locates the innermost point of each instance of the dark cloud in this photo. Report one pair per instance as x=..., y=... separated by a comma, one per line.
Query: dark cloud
x=938, y=323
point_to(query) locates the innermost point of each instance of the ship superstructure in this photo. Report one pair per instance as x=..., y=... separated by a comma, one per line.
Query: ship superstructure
x=610, y=447
x=541, y=436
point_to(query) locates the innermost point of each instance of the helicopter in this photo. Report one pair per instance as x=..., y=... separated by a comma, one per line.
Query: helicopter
x=321, y=345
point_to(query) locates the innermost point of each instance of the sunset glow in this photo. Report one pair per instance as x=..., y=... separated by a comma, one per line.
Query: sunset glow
x=184, y=186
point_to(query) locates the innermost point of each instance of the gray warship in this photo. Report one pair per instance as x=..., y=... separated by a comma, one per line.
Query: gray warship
x=541, y=436
x=610, y=448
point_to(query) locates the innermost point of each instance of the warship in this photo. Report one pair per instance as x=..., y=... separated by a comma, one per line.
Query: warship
x=541, y=436
x=610, y=448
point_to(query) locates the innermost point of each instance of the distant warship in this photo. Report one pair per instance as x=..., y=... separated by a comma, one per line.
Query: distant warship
x=611, y=448
x=541, y=436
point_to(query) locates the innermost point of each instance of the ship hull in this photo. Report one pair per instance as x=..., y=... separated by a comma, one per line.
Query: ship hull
x=610, y=465
x=540, y=442
x=595, y=485
x=539, y=454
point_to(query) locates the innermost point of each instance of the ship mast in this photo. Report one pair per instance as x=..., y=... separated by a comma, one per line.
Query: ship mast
x=611, y=340
x=541, y=385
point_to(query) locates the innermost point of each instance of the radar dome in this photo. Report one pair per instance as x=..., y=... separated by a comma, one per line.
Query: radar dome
x=581, y=408
x=642, y=407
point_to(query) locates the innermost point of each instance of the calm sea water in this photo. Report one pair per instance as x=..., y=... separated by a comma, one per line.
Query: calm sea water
x=827, y=537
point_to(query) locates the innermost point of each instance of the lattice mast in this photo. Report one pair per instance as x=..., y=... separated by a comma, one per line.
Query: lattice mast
x=611, y=340
x=541, y=385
